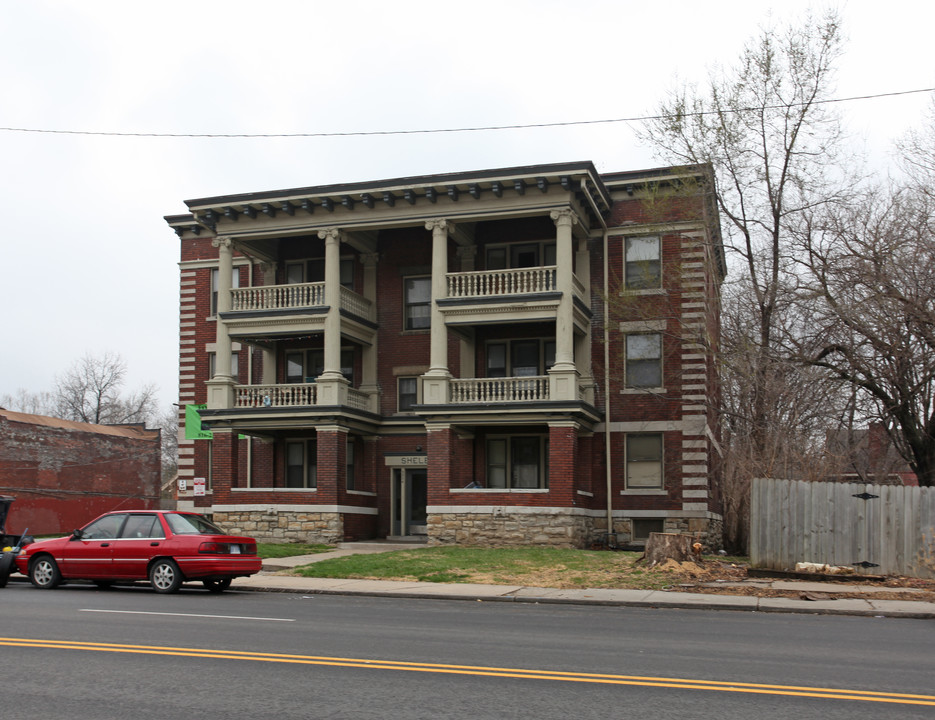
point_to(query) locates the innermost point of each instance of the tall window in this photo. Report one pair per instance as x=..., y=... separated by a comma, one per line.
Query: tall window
x=303, y=366
x=644, y=360
x=519, y=358
x=314, y=271
x=643, y=269
x=235, y=282
x=520, y=461
x=351, y=464
x=301, y=467
x=520, y=255
x=418, y=299
x=408, y=393
x=644, y=460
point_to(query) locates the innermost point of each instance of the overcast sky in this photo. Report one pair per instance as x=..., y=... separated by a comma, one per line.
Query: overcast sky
x=90, y=266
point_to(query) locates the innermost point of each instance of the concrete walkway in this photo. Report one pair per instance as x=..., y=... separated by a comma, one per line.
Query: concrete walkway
x=825, y=603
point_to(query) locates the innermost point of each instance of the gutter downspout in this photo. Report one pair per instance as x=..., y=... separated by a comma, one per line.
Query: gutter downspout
x=607, y=454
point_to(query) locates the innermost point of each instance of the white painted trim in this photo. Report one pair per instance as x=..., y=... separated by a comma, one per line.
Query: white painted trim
x=265, y=508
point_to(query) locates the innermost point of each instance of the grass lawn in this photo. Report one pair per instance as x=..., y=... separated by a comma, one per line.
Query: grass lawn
x=530, y=566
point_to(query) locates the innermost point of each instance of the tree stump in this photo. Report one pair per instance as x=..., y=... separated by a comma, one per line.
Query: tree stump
x=664, y=546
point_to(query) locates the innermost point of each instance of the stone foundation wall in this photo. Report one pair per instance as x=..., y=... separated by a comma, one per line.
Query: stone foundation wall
x=709, y=531
x=505, y=529
x=304, y=527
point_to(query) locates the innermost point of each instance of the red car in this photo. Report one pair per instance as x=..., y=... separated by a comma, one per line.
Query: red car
x=167, y=548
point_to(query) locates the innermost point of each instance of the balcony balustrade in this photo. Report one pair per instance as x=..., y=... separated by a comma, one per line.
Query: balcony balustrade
x=490, y=283
x=510, y=389
x=278, y=297
x=276, y=396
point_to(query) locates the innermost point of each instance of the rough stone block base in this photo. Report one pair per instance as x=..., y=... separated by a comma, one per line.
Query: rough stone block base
x=303, y=527
x=506, y=529
x=708, y=531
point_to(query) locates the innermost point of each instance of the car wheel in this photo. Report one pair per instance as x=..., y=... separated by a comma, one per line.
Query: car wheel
x=217, y=586
x=165, y=576
x=44, y=573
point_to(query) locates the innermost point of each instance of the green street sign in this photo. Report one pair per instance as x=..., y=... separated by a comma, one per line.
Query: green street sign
x=193, y=429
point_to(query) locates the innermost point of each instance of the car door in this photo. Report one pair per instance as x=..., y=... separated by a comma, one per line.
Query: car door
x=88, y=553
x=141, y=538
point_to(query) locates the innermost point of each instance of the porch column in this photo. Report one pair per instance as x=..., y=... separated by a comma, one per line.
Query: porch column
x=268, y=376
x=435, y=382
x=332, y=385
x=369, y=382
x=563, y=382
x=221, y=386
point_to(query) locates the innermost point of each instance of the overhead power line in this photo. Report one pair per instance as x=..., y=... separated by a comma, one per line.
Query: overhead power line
x=431, y=131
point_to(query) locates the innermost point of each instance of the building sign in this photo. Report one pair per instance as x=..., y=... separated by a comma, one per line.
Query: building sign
x=193, y=429
x=198, y=484
x=406, y=460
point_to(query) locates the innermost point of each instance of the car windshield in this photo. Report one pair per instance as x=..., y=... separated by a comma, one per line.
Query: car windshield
x=192, y=525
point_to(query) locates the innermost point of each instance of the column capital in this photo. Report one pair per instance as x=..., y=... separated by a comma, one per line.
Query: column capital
x=222, y=242
x=440, y=224
x=565, y=216
x=369, y=259
x=330, y=234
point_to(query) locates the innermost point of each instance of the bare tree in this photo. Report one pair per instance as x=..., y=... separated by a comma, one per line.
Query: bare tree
x=871, y=289
x=39, y=403
x=91, y=392
x=775, y=149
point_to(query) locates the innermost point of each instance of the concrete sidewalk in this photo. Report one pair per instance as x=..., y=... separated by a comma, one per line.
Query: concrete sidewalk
x=270, y=581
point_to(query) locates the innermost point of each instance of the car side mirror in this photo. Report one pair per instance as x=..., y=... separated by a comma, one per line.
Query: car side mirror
x=75, y=534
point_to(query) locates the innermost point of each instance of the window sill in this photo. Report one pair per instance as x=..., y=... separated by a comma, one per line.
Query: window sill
x=361, y=492
x=643, y=391
x=643, y=291
x=274, y=489
x=646, y=491
x=497, y=490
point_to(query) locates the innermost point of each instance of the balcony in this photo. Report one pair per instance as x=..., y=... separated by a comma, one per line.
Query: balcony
x=297, y=308
x=490, y=390
x=517, y=295
x=275, y=396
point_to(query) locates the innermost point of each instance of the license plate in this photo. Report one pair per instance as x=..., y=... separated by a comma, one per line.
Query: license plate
x=235, y=549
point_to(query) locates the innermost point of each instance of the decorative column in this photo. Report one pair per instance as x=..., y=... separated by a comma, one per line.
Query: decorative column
x=268, y=376
x=221, y=386
x=563, y=382
x=435, y=381
x=332, y=385
x=369, y=382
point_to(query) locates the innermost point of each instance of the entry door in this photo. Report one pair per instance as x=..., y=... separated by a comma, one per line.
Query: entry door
x=410, y=496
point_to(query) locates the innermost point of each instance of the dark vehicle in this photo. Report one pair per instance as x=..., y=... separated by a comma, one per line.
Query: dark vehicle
x=165, y=547
x=9, y=544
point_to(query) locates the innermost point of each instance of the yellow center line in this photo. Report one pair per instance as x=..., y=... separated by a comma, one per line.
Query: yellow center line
x=481, y=671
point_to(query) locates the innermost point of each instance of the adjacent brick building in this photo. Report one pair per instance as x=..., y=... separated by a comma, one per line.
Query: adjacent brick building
x=63, y=474
x=503, y=357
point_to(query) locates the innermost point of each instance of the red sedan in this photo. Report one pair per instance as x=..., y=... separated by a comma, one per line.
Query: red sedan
x=167, y=548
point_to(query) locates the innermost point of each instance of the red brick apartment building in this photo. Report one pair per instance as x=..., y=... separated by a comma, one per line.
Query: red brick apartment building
x=502, y=357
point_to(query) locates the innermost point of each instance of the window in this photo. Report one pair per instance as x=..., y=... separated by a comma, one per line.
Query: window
x=105, y=528
x=314, y=271
x=517, y=462
x=235, y=282
x=418, y=298
x=408, y=393
x=351, y=462
x=235, y=364
x=644, y=461
x=519, y=358
x=644, y=360
x=642, y=527
x=642, y=263
x=142, y=526
x=303, y=366
x=521, y=255
x=301, y=464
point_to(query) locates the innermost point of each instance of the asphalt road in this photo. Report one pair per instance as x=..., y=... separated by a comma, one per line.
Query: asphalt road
x=78, y=652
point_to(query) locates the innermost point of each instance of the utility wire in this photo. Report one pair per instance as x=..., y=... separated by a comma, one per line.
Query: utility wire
x=483, y=128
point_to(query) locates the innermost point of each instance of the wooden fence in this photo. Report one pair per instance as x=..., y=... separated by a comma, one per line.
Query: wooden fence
x=877, y=529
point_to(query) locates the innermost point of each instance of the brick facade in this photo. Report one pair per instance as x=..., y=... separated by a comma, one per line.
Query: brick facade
x=518, y=430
